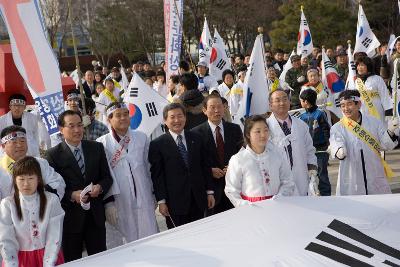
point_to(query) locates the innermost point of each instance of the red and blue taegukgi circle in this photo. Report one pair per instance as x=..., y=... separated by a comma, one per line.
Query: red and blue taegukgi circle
x=135, y=115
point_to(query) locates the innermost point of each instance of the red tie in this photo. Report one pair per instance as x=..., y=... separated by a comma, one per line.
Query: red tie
x=220, y=146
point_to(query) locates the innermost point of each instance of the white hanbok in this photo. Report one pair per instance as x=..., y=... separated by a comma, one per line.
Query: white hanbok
x=379, y=93
x=206, y=83
x=36, y=133
x=30, y=233
x=50, y=177
x=162, y=89
x=103, y=102
x=236, y=95
x=135, y=202
x=360, y=159
x=252, y=177
x=303, y=151
x=223, y=91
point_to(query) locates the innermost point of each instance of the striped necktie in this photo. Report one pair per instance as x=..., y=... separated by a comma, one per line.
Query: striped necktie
x=183, y=151
x=287, y=131
x=79, y=159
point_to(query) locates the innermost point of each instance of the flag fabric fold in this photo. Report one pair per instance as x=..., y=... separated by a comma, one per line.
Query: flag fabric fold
x=304, y=39
x=332, y=81
x=366, y=40
x=255, y=93
x=219, y=58
x=205, y=44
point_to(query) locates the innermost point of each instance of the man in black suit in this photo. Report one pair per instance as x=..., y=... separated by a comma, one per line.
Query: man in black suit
x=222, y=140
x=89, y=84
x=179, y=170
x=81, y=162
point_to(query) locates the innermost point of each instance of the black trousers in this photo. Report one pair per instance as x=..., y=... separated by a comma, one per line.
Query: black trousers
x=93, y=236
x=195, y=213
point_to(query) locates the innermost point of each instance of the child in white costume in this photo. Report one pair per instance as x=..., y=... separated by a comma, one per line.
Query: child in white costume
x=30, y=220
x=259, y=171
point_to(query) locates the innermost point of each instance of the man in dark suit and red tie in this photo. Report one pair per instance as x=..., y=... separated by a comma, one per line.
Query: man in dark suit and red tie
x=180, y=172
x=222, y=140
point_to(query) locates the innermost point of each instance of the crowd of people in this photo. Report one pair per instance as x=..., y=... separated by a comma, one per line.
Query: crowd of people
x=97, y=183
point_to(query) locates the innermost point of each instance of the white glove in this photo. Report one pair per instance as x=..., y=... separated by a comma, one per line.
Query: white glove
x=111, y=213
x=301, y=79
x=341, y=153
x=86, y=120
x=393, y=125
x=313, y=185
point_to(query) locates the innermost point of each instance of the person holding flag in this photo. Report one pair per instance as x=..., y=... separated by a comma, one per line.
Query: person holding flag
x=206, y=81
x=126, y=151
x=356, y=140
x=374, y=93
x=296, y=77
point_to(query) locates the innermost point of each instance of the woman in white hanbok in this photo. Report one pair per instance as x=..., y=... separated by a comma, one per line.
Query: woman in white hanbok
x=259, y=171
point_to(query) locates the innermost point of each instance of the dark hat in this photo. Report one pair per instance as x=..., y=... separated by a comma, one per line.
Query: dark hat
x=115, y=69
x=295, y=58
x=192, y=98
x=341, y=52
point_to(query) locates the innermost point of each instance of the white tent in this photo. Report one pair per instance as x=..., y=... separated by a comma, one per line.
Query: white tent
x=292, y=231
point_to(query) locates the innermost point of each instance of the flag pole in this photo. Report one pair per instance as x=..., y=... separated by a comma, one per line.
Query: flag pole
x=77, y=64
x=348, y=47
x=260, y=31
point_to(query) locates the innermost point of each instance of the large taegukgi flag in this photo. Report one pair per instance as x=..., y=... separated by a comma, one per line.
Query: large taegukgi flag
x=34, y=58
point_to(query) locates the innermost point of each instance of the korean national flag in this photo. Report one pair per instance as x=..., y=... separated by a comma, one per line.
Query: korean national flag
x=145, y=106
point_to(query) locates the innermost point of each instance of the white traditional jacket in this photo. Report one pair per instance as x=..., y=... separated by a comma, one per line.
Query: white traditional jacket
x=361, y=159
x=135, y=202
x=30, y=233
x=253, y=177
x=379, y=93
x=36, y=133
x=303, y=151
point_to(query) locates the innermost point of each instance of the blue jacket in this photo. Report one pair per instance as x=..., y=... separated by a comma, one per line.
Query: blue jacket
x=319, y=127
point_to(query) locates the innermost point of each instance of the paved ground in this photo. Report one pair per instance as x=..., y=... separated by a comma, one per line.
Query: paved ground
x=392, y=157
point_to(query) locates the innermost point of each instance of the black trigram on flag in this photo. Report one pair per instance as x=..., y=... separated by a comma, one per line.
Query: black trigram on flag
x=337, y=103
x=305, y=22
x=356, y=236
x=202, y=54
x=328, y=64
x=366, y=42
x=151, y=109
x=353, y=66
x=134, y=92
x=221, y=64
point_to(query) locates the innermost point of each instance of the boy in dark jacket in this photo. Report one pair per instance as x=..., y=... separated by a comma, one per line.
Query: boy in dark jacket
x=319, y=129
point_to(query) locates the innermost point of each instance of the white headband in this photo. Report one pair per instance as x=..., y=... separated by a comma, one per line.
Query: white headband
x=350, y=98
x=72, y=96
x=17, y=102
x=115, y=107
x=12, y=136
